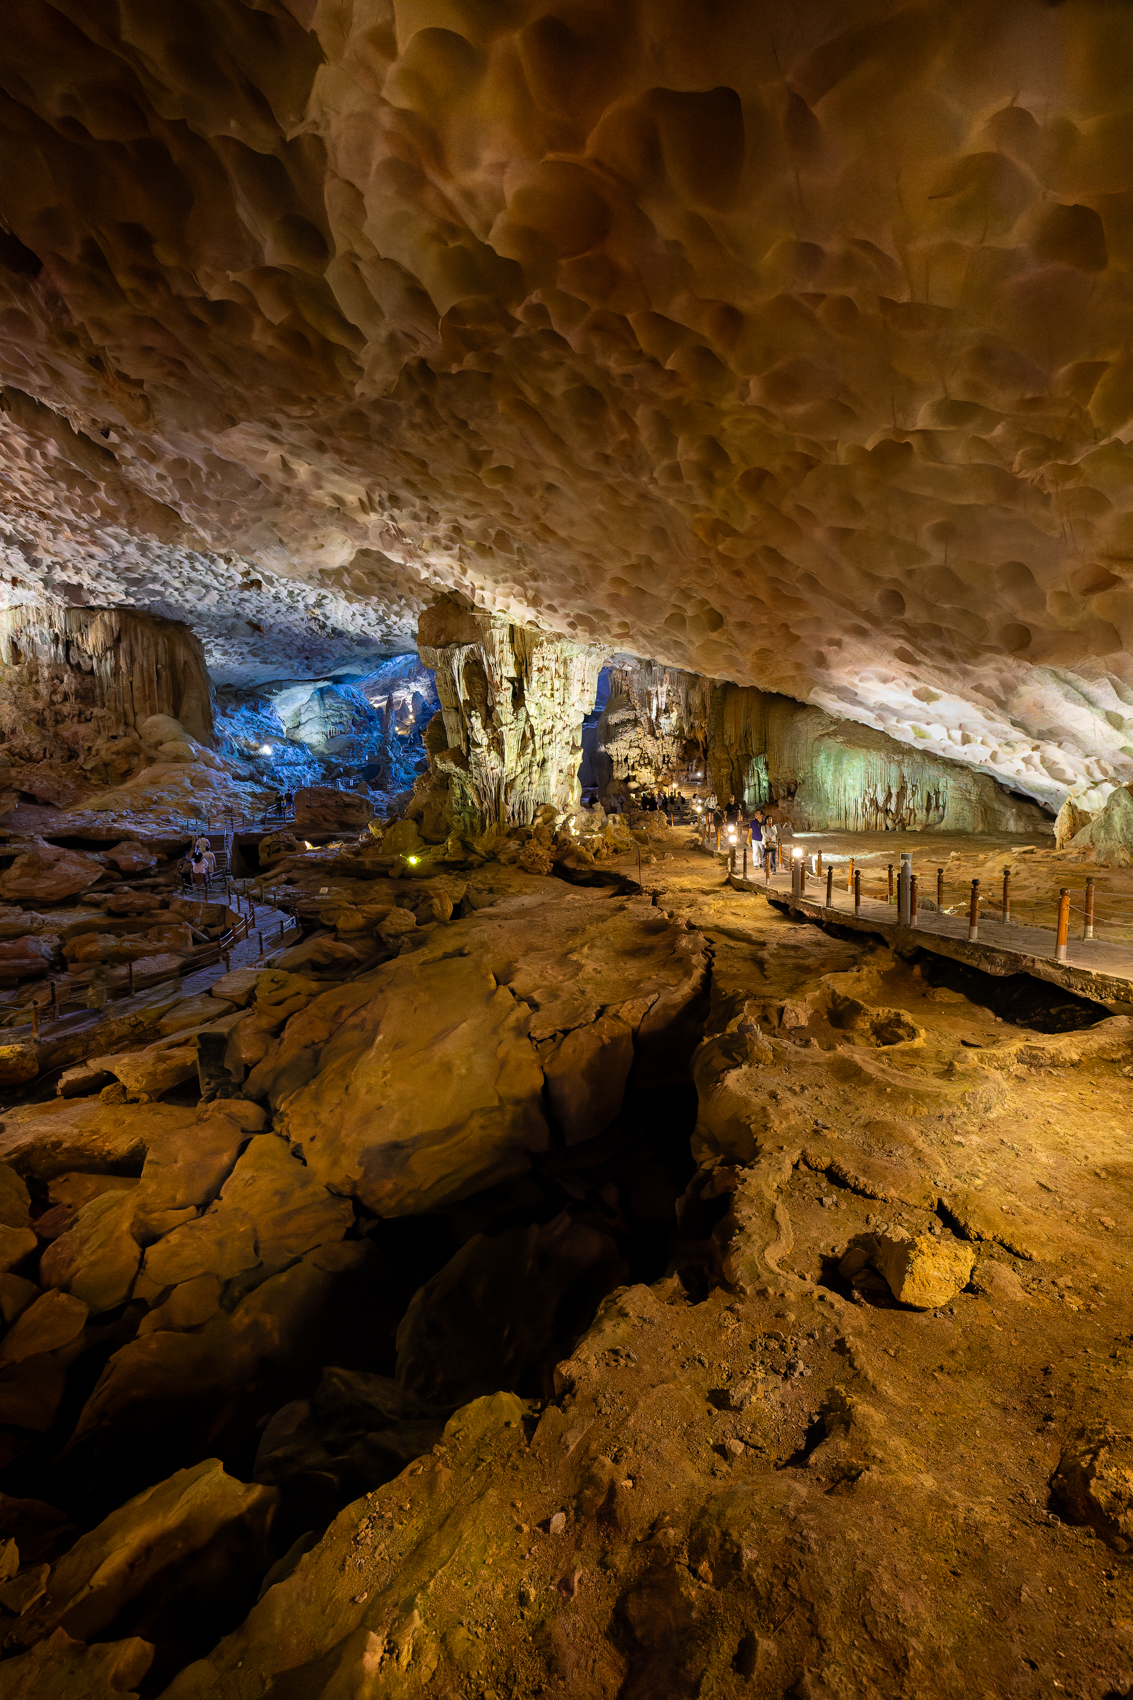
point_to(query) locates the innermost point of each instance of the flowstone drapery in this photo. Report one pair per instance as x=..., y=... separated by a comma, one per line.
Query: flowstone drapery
x=836, y=775
x=512, y=701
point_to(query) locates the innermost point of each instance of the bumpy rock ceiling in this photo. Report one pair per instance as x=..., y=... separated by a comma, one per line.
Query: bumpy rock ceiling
x=788, y=344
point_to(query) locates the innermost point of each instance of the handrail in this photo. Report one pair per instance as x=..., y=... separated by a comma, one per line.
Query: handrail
x=202, y=956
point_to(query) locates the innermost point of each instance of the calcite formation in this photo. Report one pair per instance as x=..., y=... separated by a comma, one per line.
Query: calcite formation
x=785, y=351
x=836, y=774
x=75, y=682
x=512, y=701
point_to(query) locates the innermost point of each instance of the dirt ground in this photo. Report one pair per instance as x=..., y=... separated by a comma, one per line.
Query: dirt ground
x=762, y=1475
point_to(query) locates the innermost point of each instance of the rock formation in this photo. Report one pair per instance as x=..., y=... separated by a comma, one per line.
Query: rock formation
x=512, y=701
x=655, y=721
x=836, y=774
x=75, y=679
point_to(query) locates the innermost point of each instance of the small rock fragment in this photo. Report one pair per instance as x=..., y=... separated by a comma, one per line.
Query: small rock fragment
x=557, y=1523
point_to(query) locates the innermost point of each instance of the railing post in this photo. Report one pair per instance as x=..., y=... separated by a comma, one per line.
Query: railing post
x=857, y=891
x=850, y=875
x=1006, y=896
x=889, y=871
x=767, y=865
x=818, y=866
x=1088, y=928
x=1063, y=924
x=974, y=913
x=940, y=888
x=745, y=863
x=912, y=900
x=830, y=886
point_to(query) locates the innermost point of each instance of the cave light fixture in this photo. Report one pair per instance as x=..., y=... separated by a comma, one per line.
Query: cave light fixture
x=266, y=750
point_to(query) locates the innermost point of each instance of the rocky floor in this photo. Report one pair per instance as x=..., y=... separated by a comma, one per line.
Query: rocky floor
x=853, y=1414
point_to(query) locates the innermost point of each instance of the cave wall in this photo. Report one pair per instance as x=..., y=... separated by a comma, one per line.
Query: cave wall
x=69, y=676
x=512, y=705
x=837, y=775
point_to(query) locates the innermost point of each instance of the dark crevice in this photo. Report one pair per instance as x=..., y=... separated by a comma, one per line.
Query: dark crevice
x=1021, y=1000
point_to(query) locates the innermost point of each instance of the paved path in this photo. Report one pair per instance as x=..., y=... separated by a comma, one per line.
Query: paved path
x=1103, y=972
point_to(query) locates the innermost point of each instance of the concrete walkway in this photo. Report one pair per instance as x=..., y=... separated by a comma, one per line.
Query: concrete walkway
x=1093, y=969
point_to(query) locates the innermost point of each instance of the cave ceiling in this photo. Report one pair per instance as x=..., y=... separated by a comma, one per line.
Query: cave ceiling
x=788, y=344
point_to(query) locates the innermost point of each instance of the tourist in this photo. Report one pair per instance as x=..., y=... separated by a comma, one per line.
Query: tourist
x=771, y=844
x=733, y=812
x=757, y=838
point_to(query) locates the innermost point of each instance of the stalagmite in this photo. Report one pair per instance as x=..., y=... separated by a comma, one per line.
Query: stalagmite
x=512, y=701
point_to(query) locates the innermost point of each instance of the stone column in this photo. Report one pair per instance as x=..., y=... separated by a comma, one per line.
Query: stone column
x=512, y=700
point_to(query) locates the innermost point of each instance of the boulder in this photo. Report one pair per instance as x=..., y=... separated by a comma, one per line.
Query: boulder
x=147, y=1543
x=44, y=1141
x=323, y=954
x=237, y=988
x=270, y=1211
x=88, y=947
x=283, y=1325
x=922, y=1270
x=403, y=838
x=413, y=1087
x=321, y=808
x=276, y=844
x=60, y=1665
x=189, y=1305
x=97, y=1258
x=186, y=1167
x=25, y=958
x=132, y=903
x=131, y=858
x=30, y=1392
x=16, y=1294
x=18, y=1063
x=46, y=874
x=54, y=1320
x=155, y=1070
x=587, y=1070
x=356, y=1432
x=15, y=1201
x=15, y=1245
x=195, y=1012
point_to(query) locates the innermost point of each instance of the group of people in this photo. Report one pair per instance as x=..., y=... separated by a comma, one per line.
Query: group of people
x=666, y=801
x=284, y=804
x=761, y=830
x=198, y=866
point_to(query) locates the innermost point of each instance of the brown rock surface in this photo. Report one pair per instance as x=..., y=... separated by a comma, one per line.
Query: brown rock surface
x=147, y=1541
x=271, y=1210
x=320, y=808
x=44, y=873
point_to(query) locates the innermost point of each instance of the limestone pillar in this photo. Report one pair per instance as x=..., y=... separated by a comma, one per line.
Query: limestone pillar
x=512, y=700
